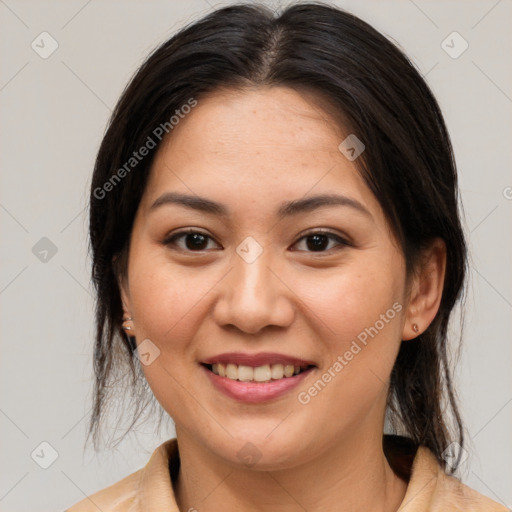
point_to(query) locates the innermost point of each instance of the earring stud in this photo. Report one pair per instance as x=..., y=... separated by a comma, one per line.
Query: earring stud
x=415, y=328
x=126, y=327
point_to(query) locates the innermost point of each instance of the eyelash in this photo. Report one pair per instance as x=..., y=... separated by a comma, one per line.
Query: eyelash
x=170, y=240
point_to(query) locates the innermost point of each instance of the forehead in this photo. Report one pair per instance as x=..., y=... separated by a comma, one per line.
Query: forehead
x=257, y=119
x=256, y=144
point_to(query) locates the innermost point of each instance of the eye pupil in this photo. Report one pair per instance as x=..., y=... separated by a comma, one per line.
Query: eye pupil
x=320, y=242
x=199, y=241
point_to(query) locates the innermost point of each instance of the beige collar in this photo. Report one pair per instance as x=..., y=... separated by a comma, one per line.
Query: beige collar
x=149, y=489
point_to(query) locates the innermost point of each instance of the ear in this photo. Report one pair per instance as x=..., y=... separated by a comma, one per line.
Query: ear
x=125, y=297
x=122, y=282
x=426, y=290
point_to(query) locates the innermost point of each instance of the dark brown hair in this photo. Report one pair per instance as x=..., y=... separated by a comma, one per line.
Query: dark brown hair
x=408, y=164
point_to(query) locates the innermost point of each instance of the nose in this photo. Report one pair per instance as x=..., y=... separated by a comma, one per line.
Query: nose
x=254, y=295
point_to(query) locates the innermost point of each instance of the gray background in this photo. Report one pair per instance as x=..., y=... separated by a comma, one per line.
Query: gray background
x=53, y=115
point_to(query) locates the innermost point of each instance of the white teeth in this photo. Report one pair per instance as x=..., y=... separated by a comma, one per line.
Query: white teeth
x=232, y=371
x=263, y=373
x=245, y=373
x=277, y=371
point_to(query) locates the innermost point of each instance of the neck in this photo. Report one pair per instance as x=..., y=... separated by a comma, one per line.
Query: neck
x=352, y=475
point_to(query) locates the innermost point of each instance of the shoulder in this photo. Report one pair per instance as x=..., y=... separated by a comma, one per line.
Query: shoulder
x=139, y=490
x=121, y=496
x=432, y=489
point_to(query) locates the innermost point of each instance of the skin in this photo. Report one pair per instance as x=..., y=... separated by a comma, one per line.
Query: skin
x=251, y=150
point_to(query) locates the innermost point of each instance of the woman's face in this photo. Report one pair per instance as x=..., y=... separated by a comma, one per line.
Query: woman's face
x=258, y=279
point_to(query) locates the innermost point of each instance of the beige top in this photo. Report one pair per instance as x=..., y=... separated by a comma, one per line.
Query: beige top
x=429, y=488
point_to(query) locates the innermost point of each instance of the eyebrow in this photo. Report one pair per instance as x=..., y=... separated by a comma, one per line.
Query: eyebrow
x=286, y=209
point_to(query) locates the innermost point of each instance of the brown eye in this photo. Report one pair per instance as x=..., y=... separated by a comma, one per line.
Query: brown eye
x=193, y=240
x=318, y=241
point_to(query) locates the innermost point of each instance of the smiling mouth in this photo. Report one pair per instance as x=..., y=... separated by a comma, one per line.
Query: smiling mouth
x=264, y=373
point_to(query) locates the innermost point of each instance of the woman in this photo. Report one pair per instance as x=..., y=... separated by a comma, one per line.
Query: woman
x=276, y=244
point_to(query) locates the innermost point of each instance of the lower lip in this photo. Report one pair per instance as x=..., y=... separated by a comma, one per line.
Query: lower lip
x=255, y=392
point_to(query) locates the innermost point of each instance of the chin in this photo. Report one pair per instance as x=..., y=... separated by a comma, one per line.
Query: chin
x=261, y=449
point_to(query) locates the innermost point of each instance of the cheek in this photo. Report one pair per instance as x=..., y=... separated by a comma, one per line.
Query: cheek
x=350, y=301
x=360, y=311
x=359, y=316
x=166, y=301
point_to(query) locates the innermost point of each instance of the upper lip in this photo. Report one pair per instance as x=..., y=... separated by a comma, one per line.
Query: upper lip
x=260, y=359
